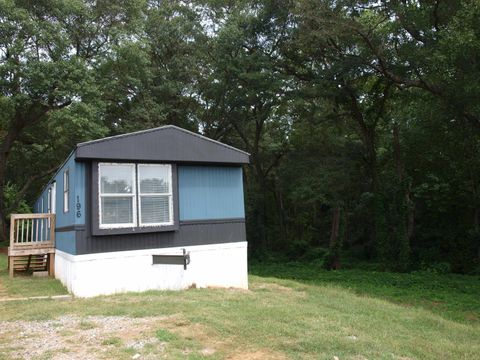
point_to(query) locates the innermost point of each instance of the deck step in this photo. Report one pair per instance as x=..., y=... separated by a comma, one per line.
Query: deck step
x=30, y=263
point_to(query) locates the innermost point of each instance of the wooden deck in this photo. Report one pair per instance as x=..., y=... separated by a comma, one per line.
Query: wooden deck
x=32, y=243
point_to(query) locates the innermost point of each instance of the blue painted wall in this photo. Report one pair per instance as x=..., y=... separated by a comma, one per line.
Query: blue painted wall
x=75, y=215
x=65, y=241
x=210, y=192
x=205, y=193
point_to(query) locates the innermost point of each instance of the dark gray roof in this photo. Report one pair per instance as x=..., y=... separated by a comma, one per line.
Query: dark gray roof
x=166, y=143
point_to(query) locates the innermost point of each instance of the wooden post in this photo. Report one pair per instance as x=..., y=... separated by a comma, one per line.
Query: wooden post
x=51, y=264
x=12, y=230
x=12, y=239
x=10, y=266
x=18, y=230
x=23, y=228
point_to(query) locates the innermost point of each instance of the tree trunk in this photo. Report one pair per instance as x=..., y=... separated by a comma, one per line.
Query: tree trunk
x=333, y=261
x=476, y=212
x=281, y=215
x=405, y=209
x=5, y=149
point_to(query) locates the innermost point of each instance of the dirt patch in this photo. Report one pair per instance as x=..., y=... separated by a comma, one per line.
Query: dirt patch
x=230, y=289
x=71, y=337
x=471, y=316
x=279, y=288
x=273, y=286
x=257, y=355
x=4, y=250
x=116, y=337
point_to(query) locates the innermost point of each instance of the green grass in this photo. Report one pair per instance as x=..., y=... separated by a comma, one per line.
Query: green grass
x=455, y=297
x=87, y=325
x=299, y=312
x=112, y=341
x=26, y=286
x=165, y=335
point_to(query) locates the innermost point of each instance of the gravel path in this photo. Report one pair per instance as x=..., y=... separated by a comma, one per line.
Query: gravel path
x=71, y=337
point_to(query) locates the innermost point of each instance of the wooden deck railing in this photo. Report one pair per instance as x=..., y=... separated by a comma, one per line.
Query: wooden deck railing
x=32, y=231
x=32, y=243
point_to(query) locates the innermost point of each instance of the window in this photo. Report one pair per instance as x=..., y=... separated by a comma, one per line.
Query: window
x=117, y=201
x=155, y=195
x=133, y=195
x=66, y=190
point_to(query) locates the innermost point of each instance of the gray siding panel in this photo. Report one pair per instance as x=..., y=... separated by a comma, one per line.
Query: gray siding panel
x=186, y=235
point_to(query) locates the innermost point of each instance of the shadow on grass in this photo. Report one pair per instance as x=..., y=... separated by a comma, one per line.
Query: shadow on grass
x=455, y=297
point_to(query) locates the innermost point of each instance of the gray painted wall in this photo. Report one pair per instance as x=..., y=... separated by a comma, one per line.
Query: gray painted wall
x=188, y=234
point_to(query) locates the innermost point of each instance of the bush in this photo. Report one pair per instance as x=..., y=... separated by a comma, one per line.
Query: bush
x=437, y=268
x=316, y=255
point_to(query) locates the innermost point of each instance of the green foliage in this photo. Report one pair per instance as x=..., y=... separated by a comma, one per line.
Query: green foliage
x=11, y=194
x=451, y=296
x=369, y=107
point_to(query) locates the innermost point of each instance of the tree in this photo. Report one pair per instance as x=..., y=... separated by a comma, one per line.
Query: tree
x=153, y=78
x=244, y=95
x=49, y=52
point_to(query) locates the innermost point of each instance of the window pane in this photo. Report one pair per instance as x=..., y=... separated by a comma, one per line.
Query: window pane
x=66, y=180
x=117, y=210
x=154, y=179
x=116, y=179
x=65, y=202
x=155, y=209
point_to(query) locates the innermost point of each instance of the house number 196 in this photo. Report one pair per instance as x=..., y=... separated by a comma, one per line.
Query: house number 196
x=79, y=207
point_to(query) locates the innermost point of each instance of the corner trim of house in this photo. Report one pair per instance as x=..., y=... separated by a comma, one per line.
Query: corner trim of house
x=70, y=228
x=212, y=221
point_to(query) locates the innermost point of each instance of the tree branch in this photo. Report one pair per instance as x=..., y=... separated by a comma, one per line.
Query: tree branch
x=21, y=193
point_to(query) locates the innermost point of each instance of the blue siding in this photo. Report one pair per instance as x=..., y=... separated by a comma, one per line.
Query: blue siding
x=76, y=212
x=66, y=218
x=78, y=203
x=66, y=241
x=210, y=192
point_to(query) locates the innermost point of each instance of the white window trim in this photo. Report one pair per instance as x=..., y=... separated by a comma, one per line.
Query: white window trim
x=133, y=194
x=169, y=194
x=66, y=191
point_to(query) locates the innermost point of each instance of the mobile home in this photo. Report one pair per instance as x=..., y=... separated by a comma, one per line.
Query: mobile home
x=154, y=209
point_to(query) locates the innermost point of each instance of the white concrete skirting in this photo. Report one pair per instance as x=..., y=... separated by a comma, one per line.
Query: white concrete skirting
x=216, y=265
